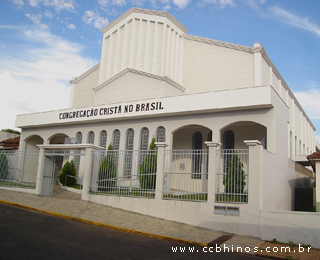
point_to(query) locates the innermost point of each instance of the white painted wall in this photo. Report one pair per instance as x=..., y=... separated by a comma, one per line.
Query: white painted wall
x=207, y=67
x=132, y=87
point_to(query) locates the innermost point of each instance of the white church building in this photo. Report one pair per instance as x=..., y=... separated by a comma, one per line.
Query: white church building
x=204, y=101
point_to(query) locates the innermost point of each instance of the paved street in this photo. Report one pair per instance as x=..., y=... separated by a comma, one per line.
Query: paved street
x=26, y=234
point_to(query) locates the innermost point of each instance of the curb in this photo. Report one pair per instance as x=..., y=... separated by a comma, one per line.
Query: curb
x=98, y=224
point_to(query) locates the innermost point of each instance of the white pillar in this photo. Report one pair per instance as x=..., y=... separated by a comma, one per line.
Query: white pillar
x=213, y=146
x=87, y=174
x=317, y=164
x=160, y=169
x=39, y=180
x=255, y=169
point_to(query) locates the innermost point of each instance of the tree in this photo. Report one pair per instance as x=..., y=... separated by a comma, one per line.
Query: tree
x=107, y=171
x=11, y=131
x=4, y=167
x=234, y=181
x=68, y=169
x=148, y=168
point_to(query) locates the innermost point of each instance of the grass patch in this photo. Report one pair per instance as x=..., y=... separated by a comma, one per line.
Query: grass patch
x=193, y=197
x=232, y=198
x=125, y=192
x=16, y=184
x=76, y=186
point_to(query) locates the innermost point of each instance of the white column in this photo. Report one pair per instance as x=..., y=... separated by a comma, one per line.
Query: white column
x=160, y=170
x=213, y=146
x=87, y=174
x=255, y=178
x=39, y=180
x=257, y=57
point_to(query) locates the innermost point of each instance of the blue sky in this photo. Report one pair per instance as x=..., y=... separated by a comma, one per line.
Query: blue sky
x=44, y=43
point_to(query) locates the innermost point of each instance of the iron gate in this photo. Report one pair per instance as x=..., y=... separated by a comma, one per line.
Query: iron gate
x=48, y=175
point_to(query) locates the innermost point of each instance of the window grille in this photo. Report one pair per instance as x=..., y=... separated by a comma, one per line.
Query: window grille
x=144, y=139
x=79, y=138
x=116, y=139
x=129, y=149
x=91, y=137
x=103, y=139
x=161, y=134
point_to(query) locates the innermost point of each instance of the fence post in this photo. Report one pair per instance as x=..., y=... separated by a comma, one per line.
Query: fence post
x=255, y=169
x=87, y=174
x=160, y=170
x=317, y=175
x=212, y=162
x=40, y=171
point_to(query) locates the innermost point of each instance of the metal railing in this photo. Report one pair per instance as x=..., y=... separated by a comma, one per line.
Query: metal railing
x=232, y=176
x=18, y=168
x=186, y=174
x=114, y=174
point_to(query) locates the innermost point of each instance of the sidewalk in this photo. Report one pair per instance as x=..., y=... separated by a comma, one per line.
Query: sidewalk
x=69, y=205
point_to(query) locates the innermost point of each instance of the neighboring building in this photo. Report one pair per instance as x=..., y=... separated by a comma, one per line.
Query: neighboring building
x=10, y=144
x=154, y=79
x=6, y=135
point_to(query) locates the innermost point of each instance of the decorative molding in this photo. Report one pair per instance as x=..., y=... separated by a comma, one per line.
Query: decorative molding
x=144, y=11
x=142, y=73
x=218, y=43
x=82, y=76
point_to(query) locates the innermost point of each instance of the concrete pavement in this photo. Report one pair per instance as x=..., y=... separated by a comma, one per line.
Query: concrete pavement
x=69, y=205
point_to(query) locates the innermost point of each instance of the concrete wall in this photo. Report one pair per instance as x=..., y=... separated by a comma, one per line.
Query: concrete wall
x=207, y=67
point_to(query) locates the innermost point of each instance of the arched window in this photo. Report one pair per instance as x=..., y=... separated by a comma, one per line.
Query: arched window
x=161, y=134
x=79, y=138
x=196, y=155
x=144, y=139
x=91, y=137
x=129, y=152
x=228, y=140
x=116, y=139
x=103, y=139
x=209, y=138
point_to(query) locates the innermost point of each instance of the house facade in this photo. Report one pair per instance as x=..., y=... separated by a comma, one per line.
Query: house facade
x=189, y=93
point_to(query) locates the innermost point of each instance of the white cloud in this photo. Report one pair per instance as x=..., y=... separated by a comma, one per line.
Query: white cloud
x=19, y=3
x=222, y=3
x=181, y=3
x=103, y=3
x=48, y=14
x=36, y=78
x=71, y=26
x=58, y=5
x=92, y=17
x=34, y=3
x=119, y=2
x=309, y=100
x=295, y=20
x=36, y=19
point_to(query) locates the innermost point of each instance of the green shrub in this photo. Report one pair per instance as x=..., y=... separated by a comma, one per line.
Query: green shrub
x=148, y=168
x=68, y=169
x=107, y=171
x=234, y=181
x=4, y=168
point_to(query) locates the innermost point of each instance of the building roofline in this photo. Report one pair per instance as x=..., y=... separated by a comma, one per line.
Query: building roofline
x=85, y=74
x=257, y=48
x=144, y=11
x=142, y=73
